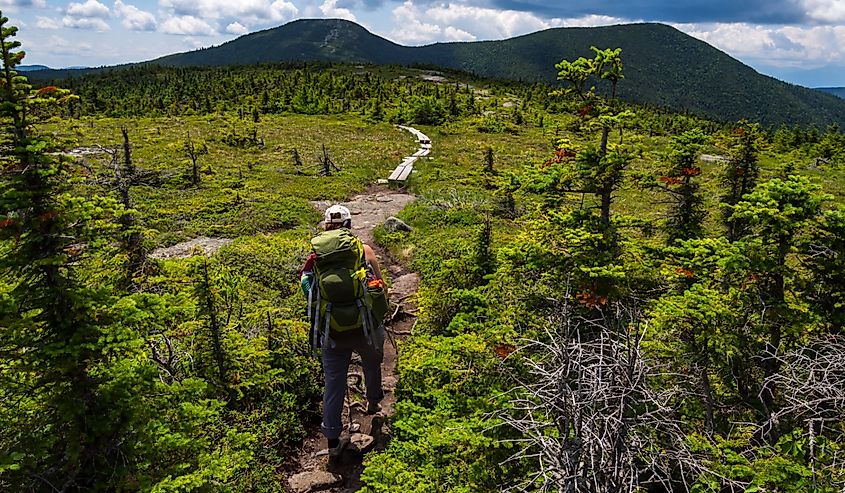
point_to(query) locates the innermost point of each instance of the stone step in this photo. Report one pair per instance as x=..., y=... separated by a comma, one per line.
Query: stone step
x=310, y=481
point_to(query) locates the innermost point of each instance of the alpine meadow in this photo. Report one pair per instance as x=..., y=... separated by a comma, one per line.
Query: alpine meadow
x=591, y=290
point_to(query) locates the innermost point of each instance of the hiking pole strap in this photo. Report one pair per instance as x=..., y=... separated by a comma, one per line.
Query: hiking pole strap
x=365, y=322
x=311, y=330
x=314, y=317
x=328, y=325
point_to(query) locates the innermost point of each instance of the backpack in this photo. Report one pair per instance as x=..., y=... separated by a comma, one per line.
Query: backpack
x=339, y=300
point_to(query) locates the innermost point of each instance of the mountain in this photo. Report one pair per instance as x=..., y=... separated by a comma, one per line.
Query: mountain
x=836, y=91
x=32, y=68
x=332, y=40
x=663, y=66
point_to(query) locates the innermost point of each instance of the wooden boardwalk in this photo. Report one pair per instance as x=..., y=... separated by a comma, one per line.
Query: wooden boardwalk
x=403, y=171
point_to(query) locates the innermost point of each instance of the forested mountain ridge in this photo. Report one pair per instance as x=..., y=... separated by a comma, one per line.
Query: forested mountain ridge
x=31, y=68
x=665, y=66
x=330, y=40
x=836, y=91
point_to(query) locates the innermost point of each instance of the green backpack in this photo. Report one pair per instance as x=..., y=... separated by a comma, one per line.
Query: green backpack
x=339, y=300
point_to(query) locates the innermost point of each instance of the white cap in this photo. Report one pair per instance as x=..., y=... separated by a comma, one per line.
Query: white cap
x=337, y=214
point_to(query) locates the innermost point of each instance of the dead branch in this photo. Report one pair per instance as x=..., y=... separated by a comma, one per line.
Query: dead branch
x=392, y=316
x=326, y=163
x=590, y=418
x=811, y=381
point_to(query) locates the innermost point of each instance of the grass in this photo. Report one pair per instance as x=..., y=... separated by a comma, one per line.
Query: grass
x=243, y=190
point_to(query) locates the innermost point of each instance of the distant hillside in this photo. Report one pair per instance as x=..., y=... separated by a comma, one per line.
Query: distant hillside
x=31, y=68
x=663, y=66
x=836, y=91
x=332, y=40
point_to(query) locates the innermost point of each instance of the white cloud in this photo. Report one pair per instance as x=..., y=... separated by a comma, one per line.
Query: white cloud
x=92, y=23
x=778, y=46
x=486, y=23
x=826, y=11
x=90, y=15
x=329, y=8
x=187, y=24
x=236, y=28
x=47, y=23
x=590, y=21
x=246, y=12
x=455, y=34
x=192, y=42
x=134, y=18
x=89, y=9
x=459, y=22
x=411, y=29
x=61, y=46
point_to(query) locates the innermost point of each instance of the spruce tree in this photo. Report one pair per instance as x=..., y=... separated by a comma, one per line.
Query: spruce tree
x=777, y=212
x=82, y=407
x=687, y=212
x=51, y=322
x=740, y=174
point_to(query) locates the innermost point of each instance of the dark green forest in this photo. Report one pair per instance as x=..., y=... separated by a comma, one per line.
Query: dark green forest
x=666, y=68
x=613, y=297
x=836, y=91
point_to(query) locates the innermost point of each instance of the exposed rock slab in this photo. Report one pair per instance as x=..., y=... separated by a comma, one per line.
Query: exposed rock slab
x=80, y=152
x=369, y=210
x=308, y=481
x=405, y=285
x=710, y=158
x=361, y=442
x=393, y=224
x=198, y=246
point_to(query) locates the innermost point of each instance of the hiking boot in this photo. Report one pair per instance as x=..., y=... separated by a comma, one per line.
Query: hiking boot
x=373, y=407
x=336, y=453
x=376, y=426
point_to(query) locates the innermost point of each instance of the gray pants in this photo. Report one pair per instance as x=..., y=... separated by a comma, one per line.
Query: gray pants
x=336, y=357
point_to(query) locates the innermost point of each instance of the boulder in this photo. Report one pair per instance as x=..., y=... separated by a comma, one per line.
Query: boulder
x=393, y=224
x=361, y=443
x=308, y=481
x=198, y=246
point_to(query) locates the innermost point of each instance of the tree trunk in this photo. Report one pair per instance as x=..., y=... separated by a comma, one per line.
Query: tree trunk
x=606, y=197
x=129, y=168
x=605, y=132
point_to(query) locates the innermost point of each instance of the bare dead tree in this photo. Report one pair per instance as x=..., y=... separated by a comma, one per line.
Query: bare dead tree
x=488, y=160
x=811, y=381
x=127, y=153
x=194, y=152
x=296, y=161
x=124, y=179
x=326, y=163
x=589, y=415
x=173, y=363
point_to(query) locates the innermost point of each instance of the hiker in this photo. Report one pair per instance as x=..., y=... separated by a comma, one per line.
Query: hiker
x=346, y=306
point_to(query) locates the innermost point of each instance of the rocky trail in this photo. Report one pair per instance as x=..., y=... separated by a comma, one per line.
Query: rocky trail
x=309, y=470
x=312, y=472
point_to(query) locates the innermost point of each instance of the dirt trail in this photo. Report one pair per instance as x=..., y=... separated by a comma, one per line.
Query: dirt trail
x=368, y=210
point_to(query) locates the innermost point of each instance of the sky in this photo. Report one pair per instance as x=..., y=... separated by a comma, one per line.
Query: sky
x=799, y=41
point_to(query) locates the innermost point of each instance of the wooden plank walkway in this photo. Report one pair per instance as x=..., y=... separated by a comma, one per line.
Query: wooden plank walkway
x=403, y=171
